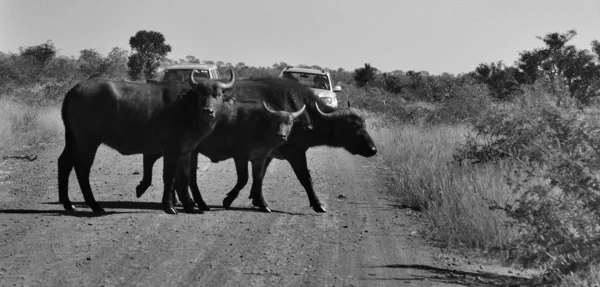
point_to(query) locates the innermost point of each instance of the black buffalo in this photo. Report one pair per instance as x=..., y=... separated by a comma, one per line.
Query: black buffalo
x=323, y=126
x=246, y=131
x=343, y=128
x=135, y=118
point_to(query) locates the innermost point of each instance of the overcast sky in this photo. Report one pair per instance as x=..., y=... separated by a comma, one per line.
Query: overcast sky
x=431, y=35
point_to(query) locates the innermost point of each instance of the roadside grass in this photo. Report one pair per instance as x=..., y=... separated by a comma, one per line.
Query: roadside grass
x=454, y=197
x=589, y=278
x=24, y=126
x=521, y=188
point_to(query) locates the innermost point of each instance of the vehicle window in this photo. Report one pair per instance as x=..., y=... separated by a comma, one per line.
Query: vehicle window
x=310, y=80
x=175, y=76
x=201, y=74
x=320, y=82
x=184, y=75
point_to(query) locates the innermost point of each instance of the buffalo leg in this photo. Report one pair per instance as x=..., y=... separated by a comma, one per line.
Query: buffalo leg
x=176, y=165
x=169, y=169
x=182, y=182
x=255, y=192
x=83, y=164
x=258, y=173
x=299, y=165
x=148, y=165
x=241, y=166
x=194, y=183
x=65, y=166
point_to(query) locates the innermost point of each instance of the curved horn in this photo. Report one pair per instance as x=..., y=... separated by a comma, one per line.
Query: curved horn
x=323, y=115
x=298, y=113
x=192, y=78
x=334, y=115
x=268, y=109
x=229, y=84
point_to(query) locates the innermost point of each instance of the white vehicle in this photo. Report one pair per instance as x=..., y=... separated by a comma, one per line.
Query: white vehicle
x=319, y=81
x=181, y=73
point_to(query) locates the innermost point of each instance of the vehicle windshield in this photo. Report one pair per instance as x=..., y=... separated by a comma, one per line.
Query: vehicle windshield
x=181, y=75
x=310, y=80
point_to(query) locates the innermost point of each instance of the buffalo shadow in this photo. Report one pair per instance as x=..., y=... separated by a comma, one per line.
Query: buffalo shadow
x=454, y=276
x=220, y=208
x=78, y=213
x=84, y=211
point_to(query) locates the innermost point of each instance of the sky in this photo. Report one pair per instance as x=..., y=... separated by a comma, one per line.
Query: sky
x=436, y=36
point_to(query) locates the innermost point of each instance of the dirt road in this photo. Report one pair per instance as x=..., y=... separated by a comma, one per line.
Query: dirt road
x=363, y=240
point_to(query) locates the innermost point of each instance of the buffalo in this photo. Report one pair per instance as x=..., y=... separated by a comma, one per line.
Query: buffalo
x=135, y=118
x=245, y=131
x=321, y=125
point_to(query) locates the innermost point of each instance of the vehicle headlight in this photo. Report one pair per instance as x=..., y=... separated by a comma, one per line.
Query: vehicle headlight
x=327, y=100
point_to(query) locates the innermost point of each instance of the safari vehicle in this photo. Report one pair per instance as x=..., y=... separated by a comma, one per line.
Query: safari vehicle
x=181, y=73
x=319, y=81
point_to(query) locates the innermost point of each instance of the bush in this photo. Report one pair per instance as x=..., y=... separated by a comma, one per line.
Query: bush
x=499, y=78
x=375, y=100
x=561, y=213
x=465, y=102
x=557, y=210
x=366, y=76
x=453, y=198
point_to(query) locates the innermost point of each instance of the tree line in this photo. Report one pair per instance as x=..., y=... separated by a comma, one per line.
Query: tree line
x=558, y=63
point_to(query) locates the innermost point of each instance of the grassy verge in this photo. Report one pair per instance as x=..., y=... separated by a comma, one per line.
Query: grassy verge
x=24, y=126
x=590, y=278
x=537, y=164
x=454, y=197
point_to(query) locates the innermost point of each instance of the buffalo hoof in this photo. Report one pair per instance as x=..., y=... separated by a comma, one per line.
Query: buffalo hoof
x=261, y=206
x=97, y=208
x=189, y=209
x=170, y=210
x=227, y=201
x=69, y=207
x=203, y=206
x=139, y=190
x=318, y=208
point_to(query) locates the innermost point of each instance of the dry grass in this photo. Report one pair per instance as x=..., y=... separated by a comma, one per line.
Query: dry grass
x=454, y=197
x=590, y=278
x=23, y=126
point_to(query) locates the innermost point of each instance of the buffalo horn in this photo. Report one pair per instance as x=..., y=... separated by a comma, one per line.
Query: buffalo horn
x=297, y=114
x=268, y=109
x=332, y=115
x=228, y=85
x=192, y=78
